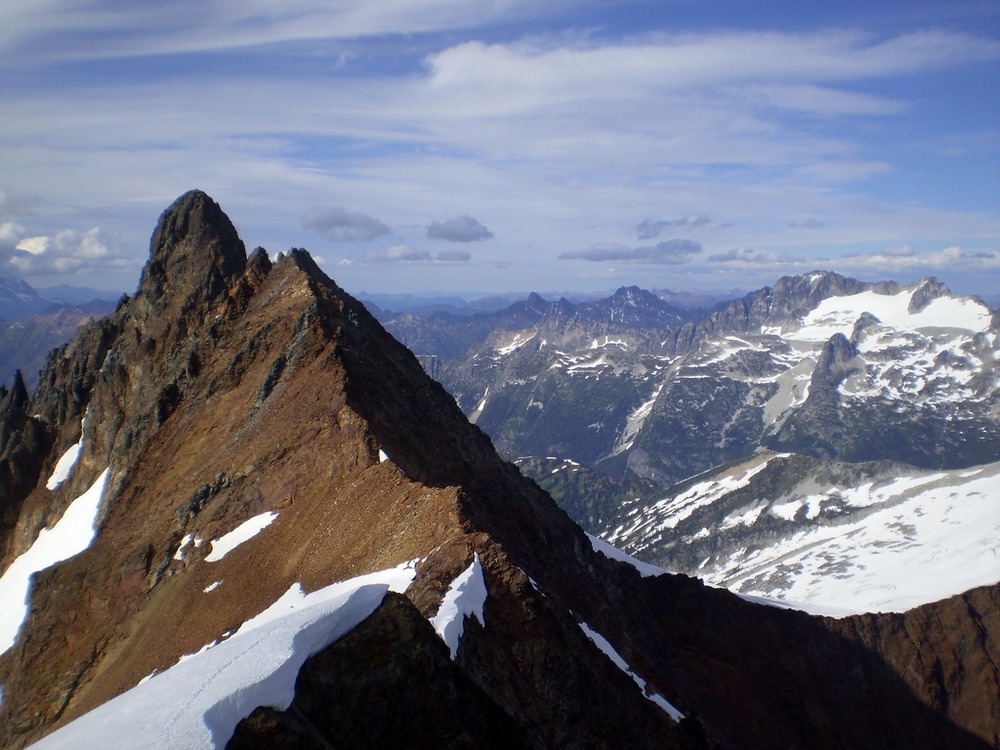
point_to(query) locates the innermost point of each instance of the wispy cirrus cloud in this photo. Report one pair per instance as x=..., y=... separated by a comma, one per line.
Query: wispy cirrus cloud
x=407, y=254
x=564, y=138
x=649, y=229
x=668, y=252
x=748, y=256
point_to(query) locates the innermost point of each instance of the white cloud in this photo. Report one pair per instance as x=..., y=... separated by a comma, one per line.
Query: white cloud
x=66, y=251
x=565, y=140
x=113, y=29
x=743, y=256
x=952, y=259
x=649, y=229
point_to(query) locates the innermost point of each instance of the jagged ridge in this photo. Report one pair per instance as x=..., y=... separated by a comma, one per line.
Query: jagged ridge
x=229, y=387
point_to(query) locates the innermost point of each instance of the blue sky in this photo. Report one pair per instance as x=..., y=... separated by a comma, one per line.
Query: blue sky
x=464, y=146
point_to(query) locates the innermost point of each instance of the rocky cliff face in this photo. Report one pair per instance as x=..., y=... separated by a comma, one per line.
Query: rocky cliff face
x=229, y=388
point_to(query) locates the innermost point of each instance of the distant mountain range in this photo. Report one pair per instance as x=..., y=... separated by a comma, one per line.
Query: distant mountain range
x=35, y=321
x=725, y=443
x=19, y=300
x=237, y=513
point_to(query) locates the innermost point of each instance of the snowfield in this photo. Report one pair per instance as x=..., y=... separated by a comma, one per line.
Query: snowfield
x=199, y=702
x=886, y=544
x=71, y=535
x=926, y=539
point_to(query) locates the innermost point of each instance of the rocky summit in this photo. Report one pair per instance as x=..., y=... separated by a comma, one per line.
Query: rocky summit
x=239, y=472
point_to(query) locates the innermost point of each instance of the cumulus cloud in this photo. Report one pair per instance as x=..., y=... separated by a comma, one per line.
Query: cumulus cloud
x=407, y=254
x=341, y=225
x=745, y=255
x=906, y=259
x=668, y=252
x=460, y=229
x=648, y=229
x=63, y=252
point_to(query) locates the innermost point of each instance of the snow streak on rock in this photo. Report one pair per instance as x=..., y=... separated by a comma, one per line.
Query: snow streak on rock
x=71, y=535
x=465, y=597
x=64, y=466
x=602, y=643
x=242, y=533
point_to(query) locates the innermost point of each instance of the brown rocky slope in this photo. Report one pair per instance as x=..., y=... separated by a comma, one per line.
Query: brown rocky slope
x=228, y=386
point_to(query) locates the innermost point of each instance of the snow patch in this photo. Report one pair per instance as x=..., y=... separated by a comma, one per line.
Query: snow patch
x=635, y=421
x=212, y=587
x=198, y=702
x=64, y=466
x=242, y=533
x=179, y=554
x=519, y=340
x=602, y=643
x=838, y=315
x=382, y=456
x=66, y=463
x=72, y=534
x=465, y=597
x=927, y=537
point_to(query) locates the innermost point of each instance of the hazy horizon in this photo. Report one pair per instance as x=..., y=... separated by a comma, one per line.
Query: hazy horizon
x=449, y=145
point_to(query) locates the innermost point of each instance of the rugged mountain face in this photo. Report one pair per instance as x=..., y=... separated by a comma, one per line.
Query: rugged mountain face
x=18, y=299
x=26, y=343
x=819, y=364
x=449, y=335
x=230, y=394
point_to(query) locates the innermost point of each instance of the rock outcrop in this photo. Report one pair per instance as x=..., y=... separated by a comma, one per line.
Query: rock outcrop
x=229, y=387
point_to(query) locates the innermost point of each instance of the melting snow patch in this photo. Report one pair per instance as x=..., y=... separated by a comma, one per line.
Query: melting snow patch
x=212, y=587
x=245, y=531
x=199, y=702
x=179, y=554
x=66, y=462
x=64, y=466
x=519, y=340
x=382, y=456
x=602, y=643
x=72, y=534
x=466, y=596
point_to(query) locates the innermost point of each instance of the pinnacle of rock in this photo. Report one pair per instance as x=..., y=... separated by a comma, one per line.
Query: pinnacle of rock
x=195, y=252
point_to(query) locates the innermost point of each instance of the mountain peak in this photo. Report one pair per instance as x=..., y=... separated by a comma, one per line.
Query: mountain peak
x=195, y=253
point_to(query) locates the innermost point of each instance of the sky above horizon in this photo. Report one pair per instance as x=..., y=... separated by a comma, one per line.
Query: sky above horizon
x=507, y=146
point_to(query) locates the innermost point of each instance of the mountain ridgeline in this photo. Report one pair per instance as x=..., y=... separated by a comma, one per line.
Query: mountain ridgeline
x=233, y=388
x=642, y=389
